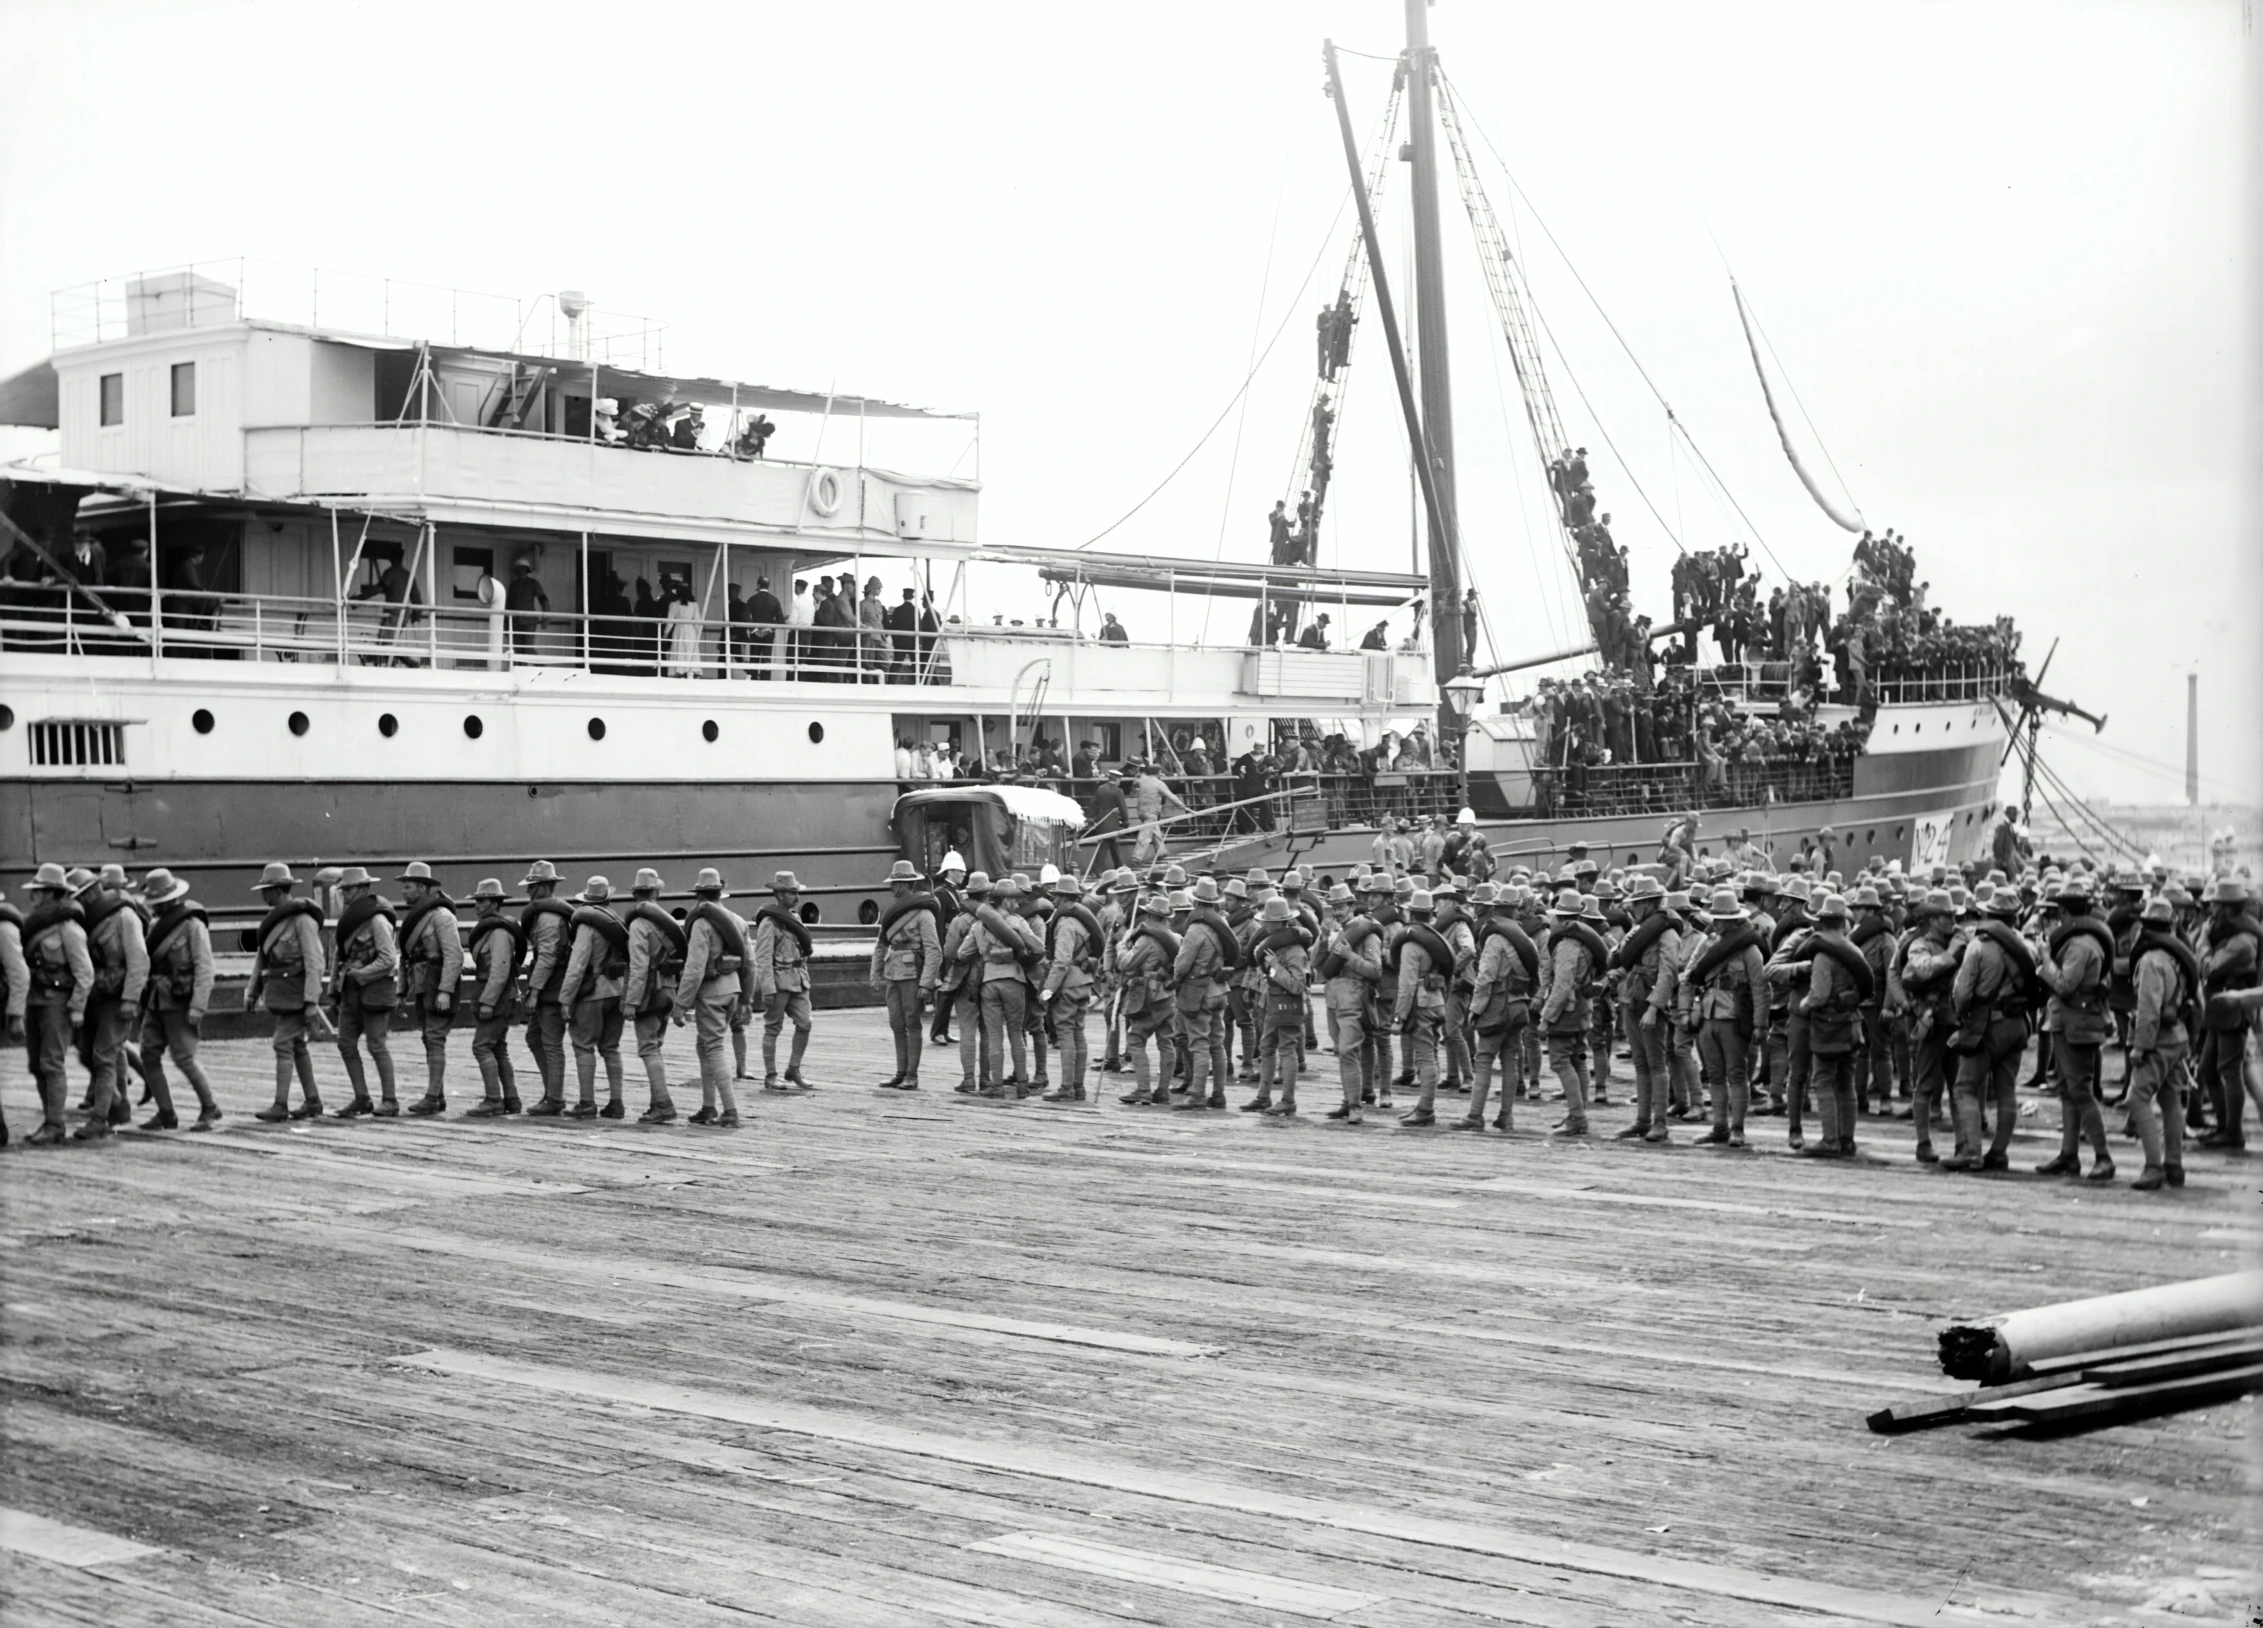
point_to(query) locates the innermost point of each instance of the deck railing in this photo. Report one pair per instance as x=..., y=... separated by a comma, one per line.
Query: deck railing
x=1667, y=788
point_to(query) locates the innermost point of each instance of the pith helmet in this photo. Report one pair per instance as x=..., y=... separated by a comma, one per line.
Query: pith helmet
x=597, y=891
x=952, y=862
x=785, y=882
x=1279, y=910
x=541, y=871
x=162, y=887
x=274, y=874
x=490, y=887
x=647, y=881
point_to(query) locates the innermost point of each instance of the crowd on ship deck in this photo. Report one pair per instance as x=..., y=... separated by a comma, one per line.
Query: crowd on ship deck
x=1735, y=991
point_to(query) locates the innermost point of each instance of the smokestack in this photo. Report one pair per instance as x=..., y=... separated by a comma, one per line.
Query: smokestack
x=2192, y=740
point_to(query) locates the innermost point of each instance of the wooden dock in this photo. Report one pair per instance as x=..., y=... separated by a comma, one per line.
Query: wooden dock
x=887, y=1359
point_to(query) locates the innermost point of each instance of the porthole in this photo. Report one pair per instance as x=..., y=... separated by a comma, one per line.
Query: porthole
x=868, y=912
x=1917, y=729
x=534, y=791
x=809, y=911
x=299, y=723
x=1900, y=831
x=1868, y=837
x=201, y=721
x=473, y=728
x=7, y=717
x=708, y=731
x=596, y=729
x=388, y=725
x=1897, y=729
x=816, y=733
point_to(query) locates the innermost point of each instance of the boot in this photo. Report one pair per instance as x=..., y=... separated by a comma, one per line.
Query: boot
x=2150, y=1178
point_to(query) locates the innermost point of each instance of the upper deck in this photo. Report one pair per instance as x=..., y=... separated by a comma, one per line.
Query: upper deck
x=302, y=387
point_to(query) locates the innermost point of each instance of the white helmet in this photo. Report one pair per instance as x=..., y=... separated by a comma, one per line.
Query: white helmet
x=1049, y=874
x=1467, y=816
x=952, y=862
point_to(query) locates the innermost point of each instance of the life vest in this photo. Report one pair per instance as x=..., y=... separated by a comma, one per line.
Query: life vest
x=1520, y=944
x=612, y=961
x=1433, y=946
x=50, y=972
x=564, y=912
x=733, y=953
x=176, y=972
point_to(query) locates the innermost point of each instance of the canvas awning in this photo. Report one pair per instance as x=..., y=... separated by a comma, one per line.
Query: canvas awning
x=638, y=385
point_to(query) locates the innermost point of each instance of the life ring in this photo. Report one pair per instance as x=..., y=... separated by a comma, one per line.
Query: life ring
x=825, y=493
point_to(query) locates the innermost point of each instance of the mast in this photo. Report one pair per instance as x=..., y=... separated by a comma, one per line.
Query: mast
x=1432, y=368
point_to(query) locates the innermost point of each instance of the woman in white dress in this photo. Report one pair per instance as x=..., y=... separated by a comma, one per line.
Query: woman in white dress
x=683, y=634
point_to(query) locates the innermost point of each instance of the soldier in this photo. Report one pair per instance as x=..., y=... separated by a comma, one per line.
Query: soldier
x=365, y=988
x=1072, y=963
x=1645, y=960
x=1873, y=935
x=496, y=946
x=1143, y=970
x=707, y=993
x=1685, y=1091
x=1991, y=999
x=1036, y=911
x=546, y=925
x=1920, y=981
x=60, y=982
x=779, y=956
x=118, y=947
x=432, y=969
x=176, y=998
x=1293, y=885
x=2167, y=977
x=950, y=892
x=1418, y=1008
x=960, y=985
x=1376, y=1065
x=2076, y=966
x=1575, y=962
x=287, y=976
x=596, y=969
x=1838, y=986
x=1282, y=955
x=1205, y=961
x=1789, y=1062
x=648, y=994
x=999, y=945
x=1453, y=924
x=742, y=1010
x=1244, y=996
x=1500, y=1003
x=907, y=957
x=15, y=983
x=2233, y=964
x=1350, y=964
x=1723, y=986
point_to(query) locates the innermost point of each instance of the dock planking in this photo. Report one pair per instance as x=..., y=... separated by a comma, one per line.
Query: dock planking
x=880, y=1360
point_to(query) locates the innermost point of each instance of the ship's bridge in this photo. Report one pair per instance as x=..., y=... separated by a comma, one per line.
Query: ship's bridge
x=443, y=406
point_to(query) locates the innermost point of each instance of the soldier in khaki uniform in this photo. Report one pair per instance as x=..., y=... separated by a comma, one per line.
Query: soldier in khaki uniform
x=708, y=991
x=117, y=946
x=1002, y=938
x=365, y=986
x=2158, y=1040
x=494, y=949
x=779, y=957
x=1500, y=1003
x=61, y=982
x=176, y=998
x=648, y=996
x=591, y=990
x=907, y=956
x=546, y=925
x=1350, y=963
x=1418, y=1011
x=1204, y=963
x=432, y=969
x=1143, y=973
x=1284, y=963
x=1072, y=964
x=287, y=977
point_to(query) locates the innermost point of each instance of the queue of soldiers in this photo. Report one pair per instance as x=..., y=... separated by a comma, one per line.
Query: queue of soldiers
x=1735, y=994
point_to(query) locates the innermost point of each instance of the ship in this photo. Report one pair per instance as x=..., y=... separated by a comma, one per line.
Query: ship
x=366, y=553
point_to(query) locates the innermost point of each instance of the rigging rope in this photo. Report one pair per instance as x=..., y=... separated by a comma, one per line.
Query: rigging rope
x=1239, y=390
x=1806, y=417
x=1784, y=435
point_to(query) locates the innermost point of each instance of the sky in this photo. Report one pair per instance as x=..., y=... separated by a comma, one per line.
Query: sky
x=2005, y=255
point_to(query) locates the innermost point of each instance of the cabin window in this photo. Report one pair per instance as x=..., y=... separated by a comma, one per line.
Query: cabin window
x=184, y=389
x=472, y=567
x=113, y=399
x=1110, y=737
